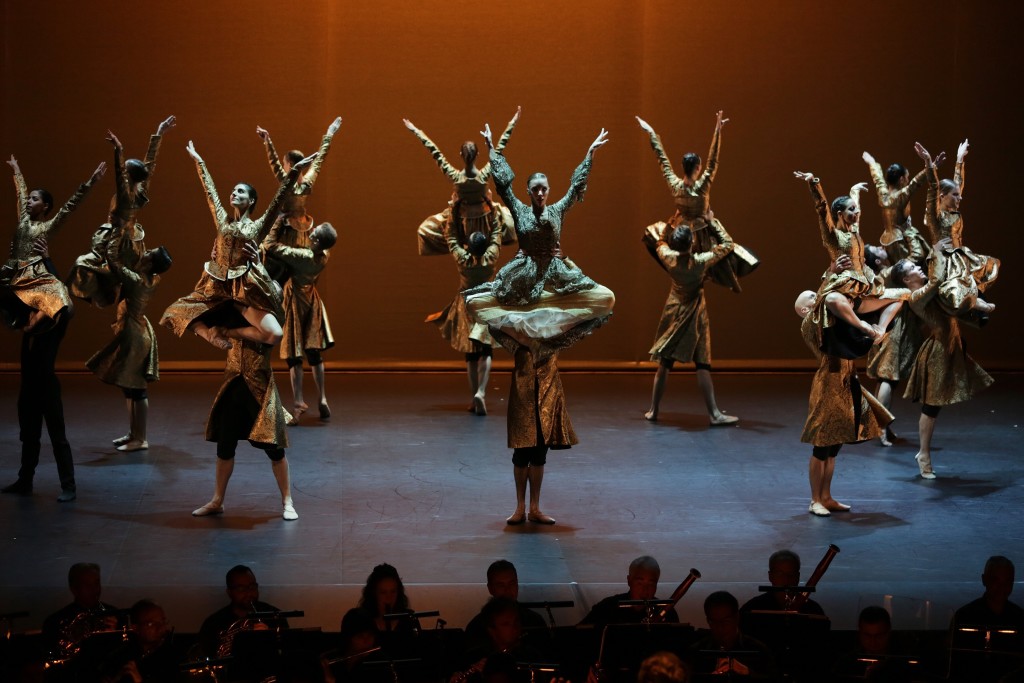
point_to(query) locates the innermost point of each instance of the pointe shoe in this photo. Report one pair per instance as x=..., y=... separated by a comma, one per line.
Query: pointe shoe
x=121, y=440
x=479, y=406
x=208, y=510
x=134, y=445
x=67, y=495
x=517, y=517
x=288, y=512
x=836, y=506
x=325, y=411
x=297, y=410
x=538, y=517
x=724, y=420
x=22, y=487
x=818, y=510
x=924, y=466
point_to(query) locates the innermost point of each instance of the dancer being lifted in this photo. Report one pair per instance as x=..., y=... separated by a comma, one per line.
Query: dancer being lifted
x=538, y=304
x=471, y=229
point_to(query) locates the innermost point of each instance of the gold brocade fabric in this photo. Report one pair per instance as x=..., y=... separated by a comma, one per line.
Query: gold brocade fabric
x=895, y=205
x=294, y=203
x=131, y=359
x=839, y=410
x=893, y=358
x=305, y=317
x=537, y=414
x=249, y=362
x=684, y=334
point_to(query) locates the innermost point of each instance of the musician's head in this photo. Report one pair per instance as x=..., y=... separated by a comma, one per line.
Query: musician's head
x=642, y=579
x=998, y=579
x=358, y=632
x=874, y=627
x=784, y=568
x=149, y=623
x=242, y=588
x=501, y=616
x=503, y=580
x=722, y=611
x=384, y=592
x=661, y=667
x=85, y=585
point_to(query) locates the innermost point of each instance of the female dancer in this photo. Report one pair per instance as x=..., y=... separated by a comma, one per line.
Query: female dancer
x=32, y=297
x=692, y=195
x=91, y=278
x=967, y=274
x=230, y=282
x=307, y=332
x=130, y=361
x=684, y=334
x=895, y=187
x=538, y=304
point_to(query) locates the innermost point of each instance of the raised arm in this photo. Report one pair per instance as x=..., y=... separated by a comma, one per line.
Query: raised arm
x=719, y=251
x=959, y=172
x=272, y=158
x=936, y=274
x=321, y=154
x=220, y=216
x=20, y=189
x=502, y=141
x=266, y=221
x=121, y=181
x=57, y=221
x=450, y=171
x=878, y=179
x=711, y=166
x=820, y=206
x=117, y=267
x=578, y=182
x=503, y=176
x=674, y=182
x=931, y=207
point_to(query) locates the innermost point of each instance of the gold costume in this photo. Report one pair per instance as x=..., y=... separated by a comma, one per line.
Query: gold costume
x=261, y=420
x=91, y=278
x=966, y=274
x=840, y=410
x=893, y=357
x=24, y=276
x=537, y=414
x=454, y=322
x=130, y=360
x=683, y=333
x=471, y=208
x=900, y=238
x=943, y=373
x=305, y=318
x=230, y=278
x=692, y=205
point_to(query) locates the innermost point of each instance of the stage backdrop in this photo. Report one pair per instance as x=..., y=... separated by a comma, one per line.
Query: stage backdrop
x=806, y=85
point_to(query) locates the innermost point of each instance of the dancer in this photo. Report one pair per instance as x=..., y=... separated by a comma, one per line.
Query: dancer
x=231, y=284
x=538, y=304
x=31, y=296
x=293, y=227
x=307, y=331
x=943, y=374
x=90, y=278
x=967, y=274
x=131, y=360
x=900, y=239
x=684, y=334
x=692, y=195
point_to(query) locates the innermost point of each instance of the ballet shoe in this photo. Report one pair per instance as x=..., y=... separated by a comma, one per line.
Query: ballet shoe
x=924, y=466
x=479, y=406
x=651, y=416
x=132, y=446
x=325, y=411
x=22, y=487
x=818, y=510
x=121, y=440
x=724, y=420
x=297, y=410
x=515, y=518
x=836, y=506
x=884, y=441
x=208, y=510
x=538, y=517
x=288, y=512
x=67, y=495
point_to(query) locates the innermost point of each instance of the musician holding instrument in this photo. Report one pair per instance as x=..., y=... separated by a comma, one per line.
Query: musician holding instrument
x=86, y=614
x=503, y=582
x=736, y=653
x=148, y=655
x=219, y=629
x=783, y=572
x=642, y=580
x=506, y=645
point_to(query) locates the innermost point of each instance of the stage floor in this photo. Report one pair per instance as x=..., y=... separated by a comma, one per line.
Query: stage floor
x=403, y=474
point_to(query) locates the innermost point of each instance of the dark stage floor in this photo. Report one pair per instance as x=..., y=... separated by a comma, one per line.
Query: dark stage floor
x=403, y=474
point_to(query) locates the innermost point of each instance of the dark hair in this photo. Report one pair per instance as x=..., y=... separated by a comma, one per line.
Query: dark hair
x=690, y=162
x=137, y=171
x=839, y=205
x=946, y=186
x=47, y=199
x=141, y=606
x=478, y=243
x=253, y=196
x=354, y=622
x=900, y=270
x=874, y=614
x=79, y=569
x=661, y=667
x=330, y=237
x=681, y=239
x=468, y=151
x=784, y=555
x=871, y=251
x=369, y=600
x=499, y=566
x=295, y=156
x=997, y=561
x=535, y=176
x=721, y=599
x=160, y=260
x=894, y=173
x=496, y=607
x=237, y=570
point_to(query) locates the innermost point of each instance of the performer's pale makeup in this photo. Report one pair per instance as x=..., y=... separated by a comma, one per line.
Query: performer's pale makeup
x=240, y=198
x=539, y=192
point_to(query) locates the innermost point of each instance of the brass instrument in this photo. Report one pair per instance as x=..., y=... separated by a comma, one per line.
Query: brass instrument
x=801, y=598
x=73, y=631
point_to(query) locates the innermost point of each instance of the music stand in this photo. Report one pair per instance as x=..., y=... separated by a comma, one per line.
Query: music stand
x=624, y=646
x=547, y=606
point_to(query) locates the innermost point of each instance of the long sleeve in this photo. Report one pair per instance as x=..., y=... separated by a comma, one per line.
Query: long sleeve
x=450, y=171
x=493, y=247
x=503, y=177
x=668, y=256
x=57, y=222
x=122, y=184
x=881, y=187
x=711, y=166
x=824, y=217
x=117, y=267
x=266, y=221
x=150, y=160
x=274, y=160
x=220, y=216
x=915, y=249
x=21, y=194
x=666, y=166
x=936, y=274
x=461, y=255
x=314, y=170
x=719, y=251
x=931, y=206
x=293, y=256
x=577, y=186
x=959, y=175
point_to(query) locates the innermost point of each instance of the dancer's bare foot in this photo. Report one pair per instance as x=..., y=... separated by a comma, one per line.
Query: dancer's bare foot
x=651, y=415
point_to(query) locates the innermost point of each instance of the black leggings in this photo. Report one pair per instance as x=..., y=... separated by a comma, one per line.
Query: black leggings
x=532, y=455
x=226, y=450
x=313, y=357
x=484, y=352
x=930, y=410
x=135, y=394
x=823, y=453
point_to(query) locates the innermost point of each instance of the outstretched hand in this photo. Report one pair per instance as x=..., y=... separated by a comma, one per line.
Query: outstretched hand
x=166, y=125
x=13, y=163
x=486, y=133
x=961, y=151
x=262, y=132
x=98, y=173
x=923, y=153
x=858, y=188
x=721, y=122
x=333, y=128
x=515, y=119
x=409, y=124
x=940, y=157
x=112, y=139
x=191, y=149
x=599, y=141
x=646, y=126
x=305, y=163
x=803, y=176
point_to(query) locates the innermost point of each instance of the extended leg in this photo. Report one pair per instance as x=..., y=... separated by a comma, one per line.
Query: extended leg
x=707, y=389
x=263, y=327
x=299, y=405
x=283, y=477
x=660, y=377
x=925, y=429
x=225, y=466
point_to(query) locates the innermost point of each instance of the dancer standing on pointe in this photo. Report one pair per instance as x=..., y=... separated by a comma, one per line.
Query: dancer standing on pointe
x=538, y=304
x=471, y=230
x=294, y=228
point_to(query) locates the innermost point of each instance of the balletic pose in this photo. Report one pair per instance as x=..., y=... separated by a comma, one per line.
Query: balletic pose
x=91, y=278
x=232, y=285
x=943, y=373
x=307, y=331
x=967, y=274
x=692, y=195
x=131, y=360
x=895, y=187
x=30, y=295
x=684, y=333
x=538, y=304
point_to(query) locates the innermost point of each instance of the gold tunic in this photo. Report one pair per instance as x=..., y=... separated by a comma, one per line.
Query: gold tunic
x=899, y=238
x=305, y=317
x=24, y=275
x=943, y=373
x=537, y=414
x=840, y=410
x=683, y=333
x=249, y=362
x=893, y=357
x=230, y=277
x=91, y=278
